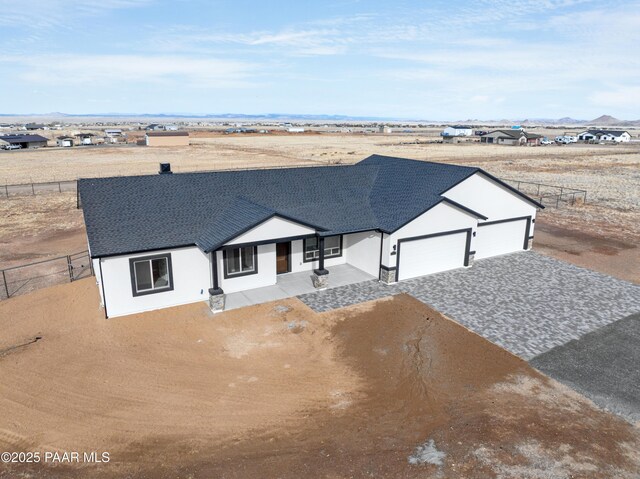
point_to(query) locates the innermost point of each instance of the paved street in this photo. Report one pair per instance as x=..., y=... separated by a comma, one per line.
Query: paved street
x=604, y=365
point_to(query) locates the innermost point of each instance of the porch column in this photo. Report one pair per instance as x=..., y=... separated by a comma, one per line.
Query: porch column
x=320, y=276
x=216, y=295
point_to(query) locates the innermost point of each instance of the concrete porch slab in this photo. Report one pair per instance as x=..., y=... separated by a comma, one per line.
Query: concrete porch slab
x=295, y=284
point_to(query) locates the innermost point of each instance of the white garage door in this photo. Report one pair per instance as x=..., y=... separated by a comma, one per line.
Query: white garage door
x=431, y=255
x=500, y=238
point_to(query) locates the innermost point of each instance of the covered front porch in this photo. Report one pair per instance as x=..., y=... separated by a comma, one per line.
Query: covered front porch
x=294, y=284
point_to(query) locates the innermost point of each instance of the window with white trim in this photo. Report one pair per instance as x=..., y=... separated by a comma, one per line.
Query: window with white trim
x=151, y=274
x=332, y=248
x=240, y=261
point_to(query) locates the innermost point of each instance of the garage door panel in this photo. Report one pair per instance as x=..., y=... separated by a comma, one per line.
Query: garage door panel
x=500, y=238
x=420, y=257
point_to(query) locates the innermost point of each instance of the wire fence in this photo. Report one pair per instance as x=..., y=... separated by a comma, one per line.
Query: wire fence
x=549, y=195
x=61, y=186
x=23, y=189
x=41, y=274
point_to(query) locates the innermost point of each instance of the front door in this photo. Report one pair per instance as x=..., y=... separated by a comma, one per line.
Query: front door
x=282, y=257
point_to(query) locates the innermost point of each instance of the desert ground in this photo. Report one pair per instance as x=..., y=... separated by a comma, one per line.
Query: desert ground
x=48, y=225
x=389, y=388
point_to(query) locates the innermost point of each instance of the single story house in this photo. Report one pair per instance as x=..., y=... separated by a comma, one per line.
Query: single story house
x=619, y=136
x=167, y=138
x=25, y=141
x=511, y=137
x=154, y=127
x=169, y=239
x=458, y=130
x=85, y=138
x=64, y=141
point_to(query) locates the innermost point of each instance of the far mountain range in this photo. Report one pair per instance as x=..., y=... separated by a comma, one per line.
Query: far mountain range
x=601, y=121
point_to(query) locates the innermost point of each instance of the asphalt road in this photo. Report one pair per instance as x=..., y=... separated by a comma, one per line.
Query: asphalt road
x=603, y=365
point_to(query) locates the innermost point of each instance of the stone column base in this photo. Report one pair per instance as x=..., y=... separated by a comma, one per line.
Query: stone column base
x=470, y=259
x=530, y=243
x=216, y=300
x=387, y=275
x=320, y=278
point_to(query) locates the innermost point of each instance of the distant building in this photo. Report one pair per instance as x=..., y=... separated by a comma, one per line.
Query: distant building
x=64, y=141
x=511, y=137
x=458, y=130
x=295, y=129
x=85, y=138
x=167, y=138
x=34, y=126
x=619, y=136
x=154, y=127
x=113, y=136
x=25, y=141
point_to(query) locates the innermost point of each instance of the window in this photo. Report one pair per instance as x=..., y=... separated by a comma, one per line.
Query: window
x=151, y=274
x=240, y=261
x=332, y=248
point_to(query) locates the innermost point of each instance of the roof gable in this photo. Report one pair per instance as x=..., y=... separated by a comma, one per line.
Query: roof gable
x=142, y=213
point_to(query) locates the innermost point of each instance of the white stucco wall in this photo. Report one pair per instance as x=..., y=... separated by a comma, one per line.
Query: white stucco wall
x=489, y=198
x=272, y=228
x=266, y=275
x=442, y=217
x=297, y=259
x=96, y=269
x=191, y=281
x=363, y=251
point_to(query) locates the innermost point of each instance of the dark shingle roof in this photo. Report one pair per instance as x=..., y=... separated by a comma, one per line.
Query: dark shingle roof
x=143, y=213
x=607, y=132
x=22, y=138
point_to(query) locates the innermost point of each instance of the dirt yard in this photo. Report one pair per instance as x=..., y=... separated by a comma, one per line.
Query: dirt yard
x=384, y=389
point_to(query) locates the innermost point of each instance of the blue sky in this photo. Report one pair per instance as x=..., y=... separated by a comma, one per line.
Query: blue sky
x=444, y=60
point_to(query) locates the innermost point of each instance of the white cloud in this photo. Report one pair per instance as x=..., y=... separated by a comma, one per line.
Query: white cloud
x=100, y=70
x=625, y=98
x=42, y=14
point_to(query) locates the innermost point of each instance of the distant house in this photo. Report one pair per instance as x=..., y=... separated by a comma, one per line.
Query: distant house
x=34, y=126
x=295, y=129
x=113, y=136
x=154, y=127
x=511, y=137
x=619, y=136
x=85, y=138
x=167, y=138
x=64, y=141
x=25, y=141
x=458, y=130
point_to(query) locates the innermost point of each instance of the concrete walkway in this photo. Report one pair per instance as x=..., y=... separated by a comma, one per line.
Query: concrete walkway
x=294, y=284
x=525, y=302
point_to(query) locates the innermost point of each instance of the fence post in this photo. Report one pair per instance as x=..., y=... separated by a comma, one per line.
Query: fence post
x=70, y=266
x=59, y=187
x=6, y=286
x=6, y=190
x=538, y=189
x=33, y=190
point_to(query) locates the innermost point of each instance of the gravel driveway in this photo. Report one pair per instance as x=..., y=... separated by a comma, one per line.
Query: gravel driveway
x=525, y=302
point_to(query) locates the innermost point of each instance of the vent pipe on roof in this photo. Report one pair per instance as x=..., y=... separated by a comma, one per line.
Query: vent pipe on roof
x=165, y=169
